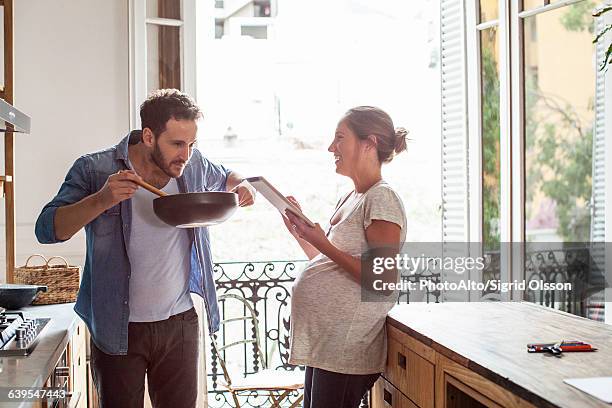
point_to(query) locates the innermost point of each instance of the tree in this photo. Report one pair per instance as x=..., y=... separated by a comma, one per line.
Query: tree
x=490, y=149
x=562, y=146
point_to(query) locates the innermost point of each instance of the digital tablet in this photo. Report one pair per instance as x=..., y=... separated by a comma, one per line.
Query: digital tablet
x=276, y=198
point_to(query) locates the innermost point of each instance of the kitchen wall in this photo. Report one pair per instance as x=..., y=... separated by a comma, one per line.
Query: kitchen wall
x=71, y=77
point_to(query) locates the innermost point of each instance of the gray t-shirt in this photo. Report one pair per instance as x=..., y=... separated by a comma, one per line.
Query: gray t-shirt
x=160, y=260
x=331, y=328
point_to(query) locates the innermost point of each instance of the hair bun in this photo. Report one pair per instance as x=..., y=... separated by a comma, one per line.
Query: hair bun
x=400, y=140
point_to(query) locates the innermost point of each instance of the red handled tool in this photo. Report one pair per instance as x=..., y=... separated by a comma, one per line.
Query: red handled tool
x=557, y=348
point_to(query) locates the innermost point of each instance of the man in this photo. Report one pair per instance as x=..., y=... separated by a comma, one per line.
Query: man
x=139, y=272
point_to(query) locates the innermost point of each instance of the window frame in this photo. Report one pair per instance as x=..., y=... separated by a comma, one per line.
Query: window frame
x=138, y=22
x=512, y=130
x=607, y=164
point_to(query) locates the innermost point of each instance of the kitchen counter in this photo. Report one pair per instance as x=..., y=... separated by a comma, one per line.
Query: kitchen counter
x=490, y=339
x=34, y=369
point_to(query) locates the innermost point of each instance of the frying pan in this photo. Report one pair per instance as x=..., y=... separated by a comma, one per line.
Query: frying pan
x=188, y=210
x=14, y=296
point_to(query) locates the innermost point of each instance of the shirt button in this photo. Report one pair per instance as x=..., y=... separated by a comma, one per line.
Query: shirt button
x=125, y=302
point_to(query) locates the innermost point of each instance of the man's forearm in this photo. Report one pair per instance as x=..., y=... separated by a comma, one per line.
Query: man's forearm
x=69, y=219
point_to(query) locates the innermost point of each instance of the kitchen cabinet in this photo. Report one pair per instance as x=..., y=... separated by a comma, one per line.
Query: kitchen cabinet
x=71, y=371
x=461, y=355
x=59, y=358
x=77, y=352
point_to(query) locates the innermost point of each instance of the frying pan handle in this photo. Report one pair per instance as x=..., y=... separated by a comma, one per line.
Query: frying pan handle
x=149, y=187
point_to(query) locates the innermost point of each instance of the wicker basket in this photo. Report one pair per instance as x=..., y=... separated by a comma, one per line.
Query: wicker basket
x=61, y=280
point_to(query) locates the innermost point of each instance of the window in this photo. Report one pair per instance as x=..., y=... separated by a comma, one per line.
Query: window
x=491, y=181
x=559, y=89
x=272, y=105
x=162, y=53
x=254, y=19
x=534, y=136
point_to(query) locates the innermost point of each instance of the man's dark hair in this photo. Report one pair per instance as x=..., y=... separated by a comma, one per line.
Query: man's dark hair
x=165, y=104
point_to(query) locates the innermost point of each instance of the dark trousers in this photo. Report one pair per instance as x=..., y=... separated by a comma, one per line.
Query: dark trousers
x=167, y=351
x=326, y=389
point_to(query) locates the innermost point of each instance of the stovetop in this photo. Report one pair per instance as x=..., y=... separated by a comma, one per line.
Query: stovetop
x=18, y=334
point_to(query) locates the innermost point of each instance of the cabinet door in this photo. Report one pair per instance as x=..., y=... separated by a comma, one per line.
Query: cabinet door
x=385, y=395
x=459, y=387
x=78, y=366
x=412, y=374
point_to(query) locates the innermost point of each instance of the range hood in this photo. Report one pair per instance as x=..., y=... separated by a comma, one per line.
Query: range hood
x=19, y=121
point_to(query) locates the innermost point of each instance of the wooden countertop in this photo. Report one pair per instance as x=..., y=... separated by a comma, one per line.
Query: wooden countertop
x=490, y=339
x=33, y=370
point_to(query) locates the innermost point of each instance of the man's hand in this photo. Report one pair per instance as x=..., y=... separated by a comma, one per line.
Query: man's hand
x=246, y=193
x=118, y=187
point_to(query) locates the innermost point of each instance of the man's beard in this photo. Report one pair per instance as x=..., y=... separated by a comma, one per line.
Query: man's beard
x=158, y=159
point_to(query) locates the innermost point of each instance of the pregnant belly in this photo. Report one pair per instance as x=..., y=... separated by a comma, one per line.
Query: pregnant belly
x=324, y=291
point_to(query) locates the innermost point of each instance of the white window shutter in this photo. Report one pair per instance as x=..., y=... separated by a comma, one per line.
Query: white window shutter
x=455, y=210
x=595, y=303
x=598, y=194
x=455, y=179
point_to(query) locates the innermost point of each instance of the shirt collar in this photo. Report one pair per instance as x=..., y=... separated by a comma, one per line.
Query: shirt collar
x=121, y=149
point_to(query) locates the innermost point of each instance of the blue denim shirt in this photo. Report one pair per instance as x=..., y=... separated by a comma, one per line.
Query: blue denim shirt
x=103, y=299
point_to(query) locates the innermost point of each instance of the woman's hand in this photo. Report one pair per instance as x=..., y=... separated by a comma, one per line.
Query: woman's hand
x=309, y=250
x=315, y=236
x=288, y=224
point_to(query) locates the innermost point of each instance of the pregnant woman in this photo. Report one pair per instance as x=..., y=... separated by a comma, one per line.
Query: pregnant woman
x=334, y=333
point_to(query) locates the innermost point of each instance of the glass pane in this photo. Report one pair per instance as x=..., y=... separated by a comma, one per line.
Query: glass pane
x=531, y=4
x=559, y=115
x=269, y=112
x=489, y=10
x=559, y=93
x=491, y=183
x=163, y=57
x=164, y=9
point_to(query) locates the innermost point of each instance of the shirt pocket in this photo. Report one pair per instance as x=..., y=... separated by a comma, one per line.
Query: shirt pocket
x=108, y=221
x=200, y=188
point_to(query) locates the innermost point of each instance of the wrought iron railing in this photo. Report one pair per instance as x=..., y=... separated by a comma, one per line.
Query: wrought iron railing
x=577, y=265
x=267, y=285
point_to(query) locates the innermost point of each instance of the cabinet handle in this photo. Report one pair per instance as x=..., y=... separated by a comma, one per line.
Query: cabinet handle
x=62, y=371
x=401, y=360
x=388, y=397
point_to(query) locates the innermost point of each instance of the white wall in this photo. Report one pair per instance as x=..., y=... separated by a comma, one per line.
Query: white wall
x=71, y=77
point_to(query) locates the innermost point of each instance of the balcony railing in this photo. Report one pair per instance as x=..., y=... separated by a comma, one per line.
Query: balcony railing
x=267, y=285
